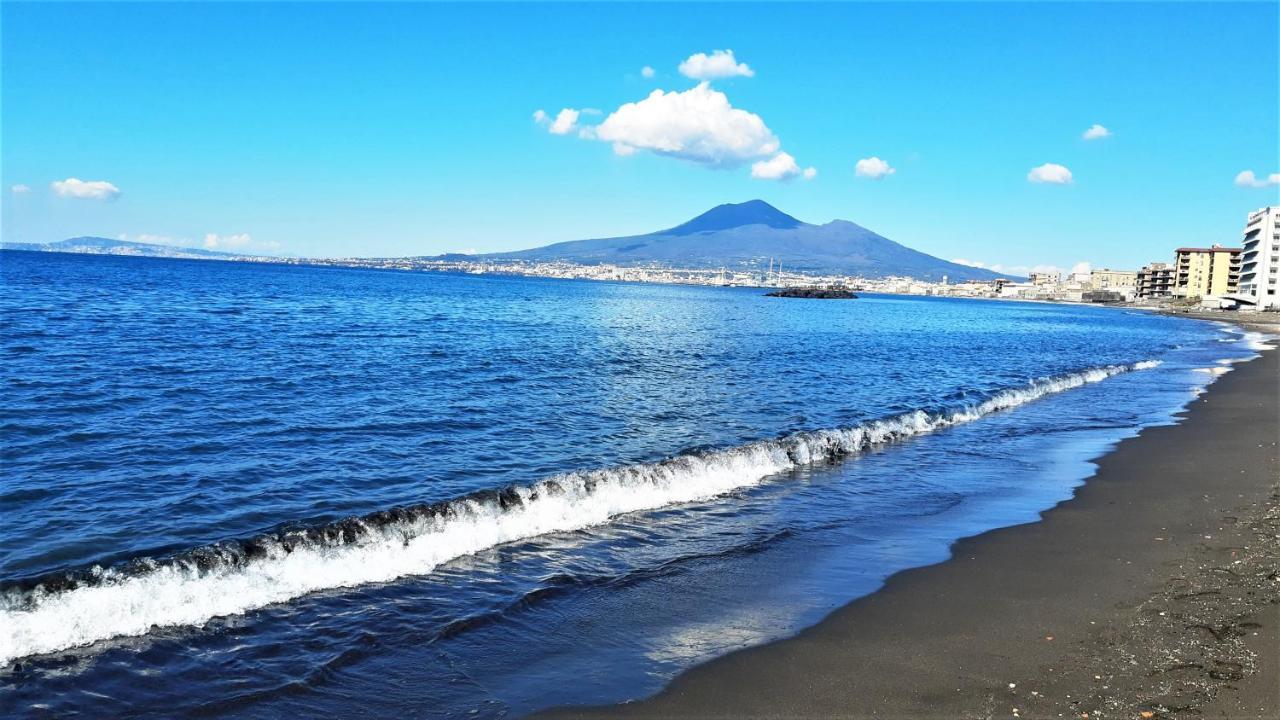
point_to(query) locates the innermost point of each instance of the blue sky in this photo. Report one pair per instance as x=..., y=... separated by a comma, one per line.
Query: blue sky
x=364, y=129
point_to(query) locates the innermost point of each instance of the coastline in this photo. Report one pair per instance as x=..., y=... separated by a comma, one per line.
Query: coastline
x=1267, y=322
x=1154, y=591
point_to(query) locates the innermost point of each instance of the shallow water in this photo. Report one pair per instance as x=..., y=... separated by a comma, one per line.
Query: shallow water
x=253, y=490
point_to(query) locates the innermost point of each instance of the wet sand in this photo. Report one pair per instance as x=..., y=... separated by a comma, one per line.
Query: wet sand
x=1154, y=592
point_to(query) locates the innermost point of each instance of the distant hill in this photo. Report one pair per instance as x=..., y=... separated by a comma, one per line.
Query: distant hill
x=107, y=246
x=737, y=236
x=749, y=234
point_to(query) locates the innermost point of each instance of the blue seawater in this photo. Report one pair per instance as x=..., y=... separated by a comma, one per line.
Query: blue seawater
x=262, y=491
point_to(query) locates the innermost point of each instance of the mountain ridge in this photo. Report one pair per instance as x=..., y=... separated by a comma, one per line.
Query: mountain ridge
x=751, y=235
x=94, y=245
x=731, y=215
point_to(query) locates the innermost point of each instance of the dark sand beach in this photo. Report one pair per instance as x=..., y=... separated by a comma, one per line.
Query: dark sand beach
x=1155, y=592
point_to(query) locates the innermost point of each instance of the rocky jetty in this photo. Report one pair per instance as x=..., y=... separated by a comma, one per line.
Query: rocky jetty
x=815, y=293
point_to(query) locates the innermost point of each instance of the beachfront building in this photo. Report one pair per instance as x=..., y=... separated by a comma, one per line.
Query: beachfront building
x=1118, y=280
x=1206, y=272
x=1155, y=281
x=1260, y=260
x=1016, y=290
x=1045, y=278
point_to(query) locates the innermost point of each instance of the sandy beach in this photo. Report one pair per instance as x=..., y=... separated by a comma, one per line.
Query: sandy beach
x=1154, y=592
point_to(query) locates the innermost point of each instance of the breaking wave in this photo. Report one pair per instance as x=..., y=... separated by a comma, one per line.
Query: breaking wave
x=75, y=609
x=1258, y=341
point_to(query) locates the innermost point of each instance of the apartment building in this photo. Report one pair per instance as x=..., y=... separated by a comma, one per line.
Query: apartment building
x=1201, y=272
x=1260, y=260
x=1155, y=281
x=1105, y=279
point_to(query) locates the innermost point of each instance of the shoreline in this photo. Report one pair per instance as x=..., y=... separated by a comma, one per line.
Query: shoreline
x=1153, y=592
x=1267, y=321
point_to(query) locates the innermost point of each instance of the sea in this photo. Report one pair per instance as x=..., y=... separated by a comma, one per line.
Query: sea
x=251, y=490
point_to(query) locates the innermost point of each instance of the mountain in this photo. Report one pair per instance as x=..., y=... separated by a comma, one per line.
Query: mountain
x=727, y=217
x=107, y=246
x=749, y=234
x=737, y=236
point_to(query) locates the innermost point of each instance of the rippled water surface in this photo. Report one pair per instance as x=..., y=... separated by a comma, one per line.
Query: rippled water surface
x=249, y=490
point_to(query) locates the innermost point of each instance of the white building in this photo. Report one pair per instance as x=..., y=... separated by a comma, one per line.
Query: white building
x=1260, y=260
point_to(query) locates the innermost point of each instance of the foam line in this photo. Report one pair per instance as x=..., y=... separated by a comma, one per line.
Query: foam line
x=235, y=577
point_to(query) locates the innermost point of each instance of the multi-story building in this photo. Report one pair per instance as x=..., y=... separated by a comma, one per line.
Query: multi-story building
x=1045, y=278
x=1105, y=279
x=1201, y=272
x=1260, y=260
x=1155, y=280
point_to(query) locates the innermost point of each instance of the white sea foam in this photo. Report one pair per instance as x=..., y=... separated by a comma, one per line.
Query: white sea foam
x=1257, y=341
x=116, y=603
x=1216, y=370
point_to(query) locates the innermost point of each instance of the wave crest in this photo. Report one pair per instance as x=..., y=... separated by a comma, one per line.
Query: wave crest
x=70, y=610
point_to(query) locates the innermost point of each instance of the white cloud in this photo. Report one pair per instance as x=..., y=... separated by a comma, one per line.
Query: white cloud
x=780, y=167
x=91, y=189
x=874, y=168
x=647, y=72
x=1081, y=268
x=214, y=241
x=1022, y=270
x=238, y=242
x=1096, y=132
x=1246, y=178
x=566, y=120
x=719, y=64
x=20, y=189
x=241, y=242
x=154, y=238
x=1051, y=173
x=697, y=124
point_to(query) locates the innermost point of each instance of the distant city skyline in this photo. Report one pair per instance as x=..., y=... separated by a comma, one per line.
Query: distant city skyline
x=1050, y=135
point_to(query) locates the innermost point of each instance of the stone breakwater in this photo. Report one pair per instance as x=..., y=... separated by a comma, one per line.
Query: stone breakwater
x=814, y=293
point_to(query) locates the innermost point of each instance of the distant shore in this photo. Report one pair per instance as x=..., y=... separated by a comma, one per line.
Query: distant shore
x=1153, y=593
x=656, y=275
